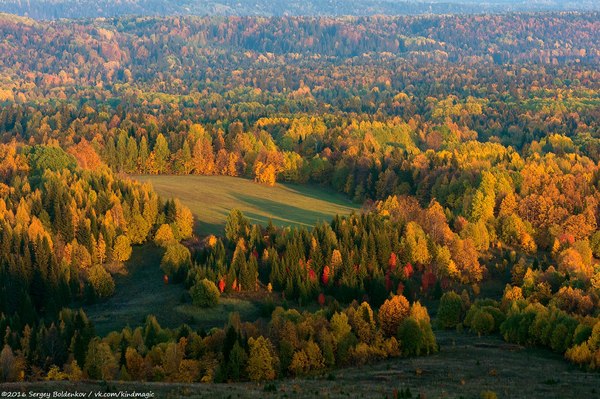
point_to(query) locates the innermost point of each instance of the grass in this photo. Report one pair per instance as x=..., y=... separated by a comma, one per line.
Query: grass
x=142, y=292
x=210, y=199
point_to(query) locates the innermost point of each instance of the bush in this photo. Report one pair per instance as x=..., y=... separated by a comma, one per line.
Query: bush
x=488, y=395
x=205, y=294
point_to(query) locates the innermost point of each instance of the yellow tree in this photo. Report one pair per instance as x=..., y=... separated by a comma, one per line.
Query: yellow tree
x=262, y=361
x=391, y=314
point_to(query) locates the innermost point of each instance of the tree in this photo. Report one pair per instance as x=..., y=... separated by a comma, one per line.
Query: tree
x=100, y=364
x=164, y=235
x=391, y=314
x=416, y=244
x=135, y=364
x=482, y=323
x=184, y=220
x=176, y=261
x=236, y=226
x=261, y=361
x=238, y=359
x=203, y=157
x=8, y=370
x=570, y=261
x=340, y=327
x=161, y=154
x=410, y=337
x=122, y=249
x=138, y=229
x=264, y=173
x=101, y=281
x=205, y=294
x=450, y=310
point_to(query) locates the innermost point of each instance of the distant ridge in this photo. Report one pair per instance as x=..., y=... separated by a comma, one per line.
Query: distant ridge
x=56, y=9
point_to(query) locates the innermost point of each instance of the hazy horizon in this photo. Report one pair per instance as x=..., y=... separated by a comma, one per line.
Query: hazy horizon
x=56, y=9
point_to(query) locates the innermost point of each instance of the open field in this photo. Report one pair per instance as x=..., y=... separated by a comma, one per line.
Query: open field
x=464, y=367
x=210, y=198
x=142, y=292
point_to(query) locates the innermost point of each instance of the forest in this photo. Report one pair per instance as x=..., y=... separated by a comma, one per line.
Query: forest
x=469, y=143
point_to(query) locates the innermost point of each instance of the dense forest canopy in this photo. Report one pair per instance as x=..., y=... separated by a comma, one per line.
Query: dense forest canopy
x=472, y=143
x=56, y=9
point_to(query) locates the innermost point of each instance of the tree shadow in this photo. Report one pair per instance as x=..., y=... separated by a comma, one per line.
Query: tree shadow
x=322, y=193
x=281, y=213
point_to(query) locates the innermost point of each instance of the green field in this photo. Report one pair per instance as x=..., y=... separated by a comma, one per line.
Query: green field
x=210, y=198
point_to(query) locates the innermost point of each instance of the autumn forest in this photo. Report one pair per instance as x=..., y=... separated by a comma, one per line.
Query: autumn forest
x=469, y=146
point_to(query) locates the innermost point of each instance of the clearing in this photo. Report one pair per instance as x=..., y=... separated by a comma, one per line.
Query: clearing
x=210, y=198
x=142, y=292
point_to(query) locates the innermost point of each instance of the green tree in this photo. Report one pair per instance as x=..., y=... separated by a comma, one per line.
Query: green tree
x=482, y=323
x=161, y=154
x=411, y=337
x=450, y=310
x=100, y=363
x=176, y=261
x=236, y=226
x=205, y=294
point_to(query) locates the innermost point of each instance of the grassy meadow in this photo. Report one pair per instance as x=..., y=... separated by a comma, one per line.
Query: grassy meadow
x=210, y=198
x=142, y=292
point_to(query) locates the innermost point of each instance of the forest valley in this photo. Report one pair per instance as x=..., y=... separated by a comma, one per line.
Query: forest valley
x=472, y=142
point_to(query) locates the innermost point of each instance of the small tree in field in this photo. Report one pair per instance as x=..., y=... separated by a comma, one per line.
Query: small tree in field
x=101, y=281
x=205, y=294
